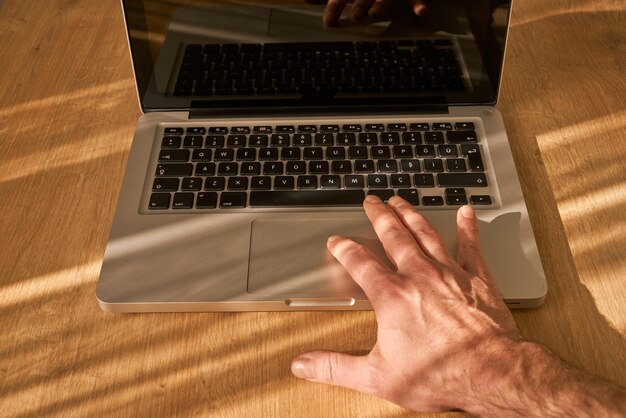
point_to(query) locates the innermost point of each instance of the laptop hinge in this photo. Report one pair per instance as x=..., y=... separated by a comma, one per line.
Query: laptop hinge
x=339, y=107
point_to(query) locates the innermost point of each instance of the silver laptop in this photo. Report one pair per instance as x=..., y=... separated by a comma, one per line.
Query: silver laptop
x=263, y=131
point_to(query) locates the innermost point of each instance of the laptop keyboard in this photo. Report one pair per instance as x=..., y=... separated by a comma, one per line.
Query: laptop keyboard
x=208, y=168
x=319, y=68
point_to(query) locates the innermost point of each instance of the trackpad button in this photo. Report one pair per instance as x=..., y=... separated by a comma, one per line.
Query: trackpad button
x=289, y=257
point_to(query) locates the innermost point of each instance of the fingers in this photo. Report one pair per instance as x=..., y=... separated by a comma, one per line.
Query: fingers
x=333, y=10
x=468, y=253
x=334, y=369
x=363, y=266
x=418, y=6
x=359, y=9
x=398, y=242
x=423, y=233
x=380, y=8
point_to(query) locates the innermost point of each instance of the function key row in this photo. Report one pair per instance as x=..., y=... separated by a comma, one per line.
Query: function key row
x=319, y=139
x=370, y=127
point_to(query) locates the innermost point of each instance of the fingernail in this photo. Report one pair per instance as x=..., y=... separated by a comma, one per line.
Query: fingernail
x=467, y=212
x=302, y=368
x=372, y=199
x=333, y=238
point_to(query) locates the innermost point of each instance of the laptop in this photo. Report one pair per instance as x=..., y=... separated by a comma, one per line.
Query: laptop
x=263, y=131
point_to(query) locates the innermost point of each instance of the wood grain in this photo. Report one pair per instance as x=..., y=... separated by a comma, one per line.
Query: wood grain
x=67, y=115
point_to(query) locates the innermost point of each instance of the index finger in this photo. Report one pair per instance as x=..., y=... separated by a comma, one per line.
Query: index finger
x=333, y=10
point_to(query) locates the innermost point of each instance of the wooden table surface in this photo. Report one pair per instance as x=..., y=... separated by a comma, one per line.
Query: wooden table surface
x=67, y=115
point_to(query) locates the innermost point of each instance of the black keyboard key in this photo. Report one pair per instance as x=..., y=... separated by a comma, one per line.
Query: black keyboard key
x=377, y=181
x=237, y=183
x=432, y=200
x=354, y=182
x=335, y=153
x=423, y=180
x=285, y=129
x=307, y=182
x=296, y=167
x=419, y=127
x=307, y=128
x=214, y=141
x=258, y=140
x=318, y=167
x=261, y=183
x=356, y=153
x=384, y=195
x=402, y=151
x=346, y=139
x=410, y=195
x=400, y=181
x=330, y=182
x=396, y=126
x=442, y=126
x=236, y=141
x=351, y=128
x=268, y=154
x=466, y=149
x=364, y=166
x=201, y=155
x=307, y=198
x=455, y=196
x=280, y=140
x=218, y=130
x=290, y=153
x=262, y=129
x=433, y=137
x=475, y=161
x=367, y=138
x=252, y=168
x=456, y=164
x=462, y=136
x=204, y=169
x=195, y=130
x=387, y=166
x=224, y=154
x=313, y=153
x=329, y=128
x=232, y=200
x=165, y=185
x=425, y=151
x=325, y=139
x=464, y=126
x=341, y=167
x=273, y=167
x=174, y=170
x=246, y=154
x=410, y=166
x=159, y=201
x=480, y=200
x=301, y=140
x=171, y=142
x=447, y=151
x=191, y=184
x=390, y=138
x=192, y=141
x=381, y=152
x=240, y=130
x=174, y=131
x=375, y=127
x=206, y=200
x=462, y=180
x=411, y=138
x=227, y=169
x=182, y=201
x=178, y=155
x=433, y=165
x=284, y=182
x=214, y=183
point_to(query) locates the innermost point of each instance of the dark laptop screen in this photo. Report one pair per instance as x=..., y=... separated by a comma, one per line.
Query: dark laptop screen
x=203, y=54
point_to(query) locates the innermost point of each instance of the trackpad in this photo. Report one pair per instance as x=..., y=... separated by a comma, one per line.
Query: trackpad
x=290, y=257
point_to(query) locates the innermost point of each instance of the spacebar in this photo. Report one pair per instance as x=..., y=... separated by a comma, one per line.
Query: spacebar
x=307, y=198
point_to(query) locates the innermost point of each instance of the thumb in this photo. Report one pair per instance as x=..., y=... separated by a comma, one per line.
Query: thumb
x=418, y=7
x=352, y=372
x=468, y=253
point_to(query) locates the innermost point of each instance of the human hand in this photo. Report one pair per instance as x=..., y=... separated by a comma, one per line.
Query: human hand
x=442, y=323
x=363, y=8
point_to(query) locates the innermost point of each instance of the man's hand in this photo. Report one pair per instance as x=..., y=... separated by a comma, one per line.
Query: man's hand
x=363, y=8
x=446, y=339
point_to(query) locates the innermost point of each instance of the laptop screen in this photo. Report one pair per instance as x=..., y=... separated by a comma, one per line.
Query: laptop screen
x=190, y=54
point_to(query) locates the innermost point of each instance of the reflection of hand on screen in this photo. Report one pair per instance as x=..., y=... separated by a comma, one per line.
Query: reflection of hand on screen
x=364, y=8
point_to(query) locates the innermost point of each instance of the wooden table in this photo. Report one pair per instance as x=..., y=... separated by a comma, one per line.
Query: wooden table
x=67, y=114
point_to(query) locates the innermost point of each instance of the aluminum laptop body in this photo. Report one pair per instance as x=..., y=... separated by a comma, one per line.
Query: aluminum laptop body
x=267, y=257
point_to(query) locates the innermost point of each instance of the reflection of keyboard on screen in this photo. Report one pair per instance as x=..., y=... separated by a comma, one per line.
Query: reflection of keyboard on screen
x=225, y=167
x=319, y=68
